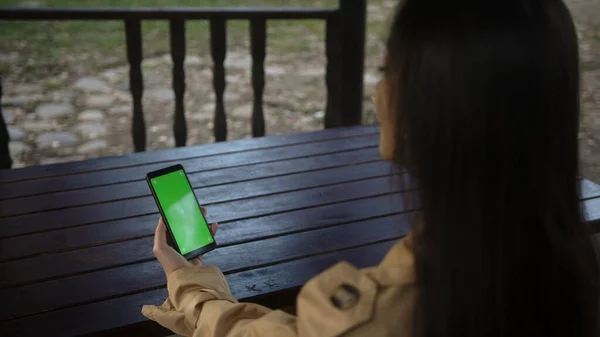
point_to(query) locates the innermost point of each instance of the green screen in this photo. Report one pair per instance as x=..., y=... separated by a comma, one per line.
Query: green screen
x=182, y=211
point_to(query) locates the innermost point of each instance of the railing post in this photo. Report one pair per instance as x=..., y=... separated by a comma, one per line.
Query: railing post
x=177, y=29
x=258, y=37
x=133, y=34
x=218, y=42
x=353, y=25
x=333, y=74
x=5, y=161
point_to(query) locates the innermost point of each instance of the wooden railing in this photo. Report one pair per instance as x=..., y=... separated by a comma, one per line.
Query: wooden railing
x=344, y=45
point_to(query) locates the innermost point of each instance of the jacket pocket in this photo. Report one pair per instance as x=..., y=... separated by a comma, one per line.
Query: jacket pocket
x=337, y=300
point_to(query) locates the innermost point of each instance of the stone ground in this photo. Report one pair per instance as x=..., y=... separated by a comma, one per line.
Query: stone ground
x=76, y=116
x=587, y=18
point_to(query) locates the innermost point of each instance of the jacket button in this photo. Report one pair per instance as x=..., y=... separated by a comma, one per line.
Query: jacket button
x=345, y=297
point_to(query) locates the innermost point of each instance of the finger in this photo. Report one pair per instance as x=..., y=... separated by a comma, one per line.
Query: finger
x=214, y=228
x=196, y=261
x=203, y=210
x=148, y=311
x=160, y=234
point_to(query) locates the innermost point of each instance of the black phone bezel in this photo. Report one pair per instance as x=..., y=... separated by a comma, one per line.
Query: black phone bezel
x=173, y=242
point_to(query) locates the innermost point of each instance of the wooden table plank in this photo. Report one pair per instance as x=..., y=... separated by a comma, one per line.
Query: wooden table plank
x=211, y=194
x=197, y=179
x=120, y=312
x=137, y=277
x=592, y=210
x=230, y=232
x=192, y=165
x=589, y=189
x=227, y=211
x=172, y=155
x=139, y=250
x=116, y=210
x=72, y=262
x=138, y=227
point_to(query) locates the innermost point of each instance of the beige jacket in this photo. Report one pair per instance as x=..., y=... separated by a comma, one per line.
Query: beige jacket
x=341, y=301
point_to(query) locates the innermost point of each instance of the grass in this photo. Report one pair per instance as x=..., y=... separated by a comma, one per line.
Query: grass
x=49, y=47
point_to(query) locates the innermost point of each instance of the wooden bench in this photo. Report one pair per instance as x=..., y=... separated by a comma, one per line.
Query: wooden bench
x=76, y=239
x=344, y=48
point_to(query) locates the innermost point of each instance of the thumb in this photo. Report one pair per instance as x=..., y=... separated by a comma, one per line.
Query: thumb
x=148, y=311
x=170, y=319
x=160, y=314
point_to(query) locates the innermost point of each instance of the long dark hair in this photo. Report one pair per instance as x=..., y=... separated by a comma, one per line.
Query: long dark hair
x=486, y=107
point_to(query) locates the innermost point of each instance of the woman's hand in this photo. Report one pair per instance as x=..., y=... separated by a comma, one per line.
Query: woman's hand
x=168, y=257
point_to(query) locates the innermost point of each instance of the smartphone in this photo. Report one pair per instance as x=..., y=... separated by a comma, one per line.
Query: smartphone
x=187, y=229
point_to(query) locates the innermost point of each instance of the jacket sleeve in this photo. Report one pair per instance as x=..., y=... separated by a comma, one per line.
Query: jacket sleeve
x=200, y=303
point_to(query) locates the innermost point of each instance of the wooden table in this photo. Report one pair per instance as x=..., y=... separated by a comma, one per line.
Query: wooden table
x=76, y=239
